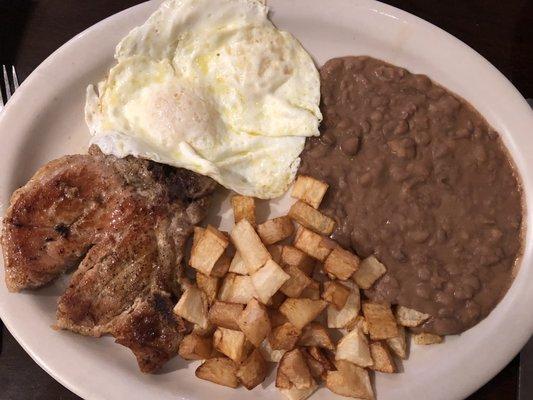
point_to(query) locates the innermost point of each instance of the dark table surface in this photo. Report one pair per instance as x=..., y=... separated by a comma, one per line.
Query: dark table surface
x=502, y=31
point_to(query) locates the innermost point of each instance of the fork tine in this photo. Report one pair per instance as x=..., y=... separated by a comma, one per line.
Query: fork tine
x=15, y=78
x=6, y=83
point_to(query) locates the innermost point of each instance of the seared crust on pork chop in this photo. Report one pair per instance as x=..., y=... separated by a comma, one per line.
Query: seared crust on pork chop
x=125, y=222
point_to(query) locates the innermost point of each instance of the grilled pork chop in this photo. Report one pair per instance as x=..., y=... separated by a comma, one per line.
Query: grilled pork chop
x=125, y=222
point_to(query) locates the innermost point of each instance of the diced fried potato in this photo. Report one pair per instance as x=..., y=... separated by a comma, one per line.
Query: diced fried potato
x=207, y=249
x=383, y=361
x=254, y=322
x=221, y=371
x=312, y=291
x=276, y=318
x=292, y=256
x=398, y=344
x=425, y=338
x=381, y=321
x=336, y=294
x=253, y=370
x=350, y=380
x=311, y=218
x=297, y=283
x=275, y=230
x=277, y=300
x=225, y=315
x=354, y=348
x=248, y=243
x=268, y=280
x=231, y=343
x=194, y=347
x=203, y=332
x=275, y=251
x=208, y=285
x=316, y=335
x=284, y=337
x=298, y=394
x=343, y=317
x=221, y=267
x=294, y=372
x=237, y=265
x=359, y=321
x=341, y=263
x=192, y=306
x=410, y=317
x=198, y=233
x=317, y=362
x=369, y=271
x=313, y=244
x=309, y=190
x=302, y=311
x=237, y=289
x=269, y=354
x=243, y=208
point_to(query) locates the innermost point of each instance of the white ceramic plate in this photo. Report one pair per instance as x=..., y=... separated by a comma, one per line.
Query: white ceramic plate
x=44, y=120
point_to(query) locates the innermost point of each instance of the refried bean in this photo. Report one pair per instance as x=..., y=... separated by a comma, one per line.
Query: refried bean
x=419, y=179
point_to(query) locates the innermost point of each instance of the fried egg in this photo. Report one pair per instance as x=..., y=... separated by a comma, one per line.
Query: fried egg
x=212, y=86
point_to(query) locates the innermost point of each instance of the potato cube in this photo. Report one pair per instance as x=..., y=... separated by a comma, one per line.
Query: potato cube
x=294, y=372
x=268, y=280
x=312, y=291
x=354, y=348
x=208, y=285
x=225, y=315
x=243, y=208
x=298, y=394
x=254, y=322
x=221, y=267
x=336, y=294
x=248, y=243
x=237, y=265
x=253, y=370
x=381, y=321
x=284, y=337
x=316, y=335
x=425, y=338
x=275, y=251
x=203, y=332
x=350, y=380
x=409, y=317
x=269, y=354
x=317, y=362
x=221, y=371
x=302, y=311
x=343, y=317
x=237, y=289
x=231, y=343
x=341, y=264
x=275, y=230
x=192, y=306
x=309, y=190
x=360, y=322
x=369, y=271
x=292, y=256
x=383, y=361
x=398, y=344
x=311, y=218
x=207, y=249
x=313, y=244
x=194, y=347
x=297, y=283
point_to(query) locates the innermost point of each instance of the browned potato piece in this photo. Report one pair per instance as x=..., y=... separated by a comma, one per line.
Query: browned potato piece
x=311, y=218
x=425, y=338
x=336, y=294
x=302, y=311
x=276, y=318
x=292, y=256
x=195, y=347
x=341, y=263
x=207, y=249
x=203, y=332
x=208, y=285
x=192, y=306
x=409, y=317
x=297, y=283
x=237, y=265
x=249, y=245
x=268, y=279
x=253, y=370
x=317, y=362
x=269, y=354
x=298, y=394
x=309, y=190
x=225, y=315
x=348, y=313
x=284, y=337
x=231, y=343
x=383, y=361
x=243, y=208
x=237, y=289
x=221, y=371
x=275, y=230
x=381, y=321
x=398, y=344
x=294, y=372
x=369, y=271
x=254, y=322
x=277, y=300
x=350, y=380
x=275, y=251
x=221, y=267
x=312, y=291
x=360, y=322
x=354, y=348
x=316, y=335
x=313, y=244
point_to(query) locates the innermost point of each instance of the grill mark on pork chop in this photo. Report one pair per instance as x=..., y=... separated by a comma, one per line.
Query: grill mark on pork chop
x=125, y=222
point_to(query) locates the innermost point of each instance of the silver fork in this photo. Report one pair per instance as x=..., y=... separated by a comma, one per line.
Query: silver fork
x=8, y=85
